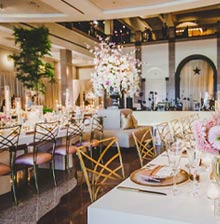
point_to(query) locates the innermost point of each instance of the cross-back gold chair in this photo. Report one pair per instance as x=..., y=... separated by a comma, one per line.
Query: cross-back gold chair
x=176, y=129
x=192, y=118
x=9, y=137
x=164, y=133
x=185, y=124
x=145, y=145
x=105, y=171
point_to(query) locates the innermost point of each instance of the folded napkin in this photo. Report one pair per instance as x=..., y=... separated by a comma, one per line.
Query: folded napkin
x=156, y=174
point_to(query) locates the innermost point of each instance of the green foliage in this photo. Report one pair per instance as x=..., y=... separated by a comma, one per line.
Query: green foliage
x=45, y=110
x=31, y=70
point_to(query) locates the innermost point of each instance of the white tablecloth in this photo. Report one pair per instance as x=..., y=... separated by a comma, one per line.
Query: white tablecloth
x=125, y=207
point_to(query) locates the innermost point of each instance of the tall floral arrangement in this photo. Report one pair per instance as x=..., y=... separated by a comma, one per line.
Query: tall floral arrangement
x=207, y=134
x=115, y=71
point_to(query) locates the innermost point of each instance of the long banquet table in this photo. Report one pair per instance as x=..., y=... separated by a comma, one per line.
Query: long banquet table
x=125, y=207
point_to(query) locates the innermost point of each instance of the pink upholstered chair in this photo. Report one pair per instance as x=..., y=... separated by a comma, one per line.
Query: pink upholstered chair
x=43, y=149
x=8, y=142
x=73, y=135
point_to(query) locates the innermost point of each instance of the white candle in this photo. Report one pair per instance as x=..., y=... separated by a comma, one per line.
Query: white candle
x=213, y=191
x=56, y=105
x=26, y=100
x=18, y=108
x=7, y=101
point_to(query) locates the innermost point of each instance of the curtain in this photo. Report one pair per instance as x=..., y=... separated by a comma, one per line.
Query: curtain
x=17, y=89
x=196, y=78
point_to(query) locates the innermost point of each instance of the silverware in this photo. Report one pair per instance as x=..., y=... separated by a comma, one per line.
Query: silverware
x=140, y=190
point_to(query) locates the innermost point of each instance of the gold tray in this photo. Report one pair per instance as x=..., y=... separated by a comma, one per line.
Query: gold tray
x=181, y=177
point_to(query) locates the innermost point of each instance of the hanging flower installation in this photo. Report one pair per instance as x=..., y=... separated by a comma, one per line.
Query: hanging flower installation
x=114, y=71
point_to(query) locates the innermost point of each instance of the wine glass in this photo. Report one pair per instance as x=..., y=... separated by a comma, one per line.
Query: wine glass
x=194, y=160
x=174, y=152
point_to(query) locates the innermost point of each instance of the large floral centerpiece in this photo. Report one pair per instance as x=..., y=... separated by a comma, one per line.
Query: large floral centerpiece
x=115, y=71
x=207, y=134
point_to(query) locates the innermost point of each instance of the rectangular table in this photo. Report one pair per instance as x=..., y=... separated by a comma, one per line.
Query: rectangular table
x=125, y=207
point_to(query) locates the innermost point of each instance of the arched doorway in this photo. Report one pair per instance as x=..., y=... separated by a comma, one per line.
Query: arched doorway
x=196, y=75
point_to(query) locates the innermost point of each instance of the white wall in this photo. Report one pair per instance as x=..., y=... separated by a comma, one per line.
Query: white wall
x=84, y=73
x=206, y=47
x=155, y=68
x=6, y=64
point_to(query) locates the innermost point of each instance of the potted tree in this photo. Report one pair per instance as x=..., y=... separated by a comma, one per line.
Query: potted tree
x=31, y=69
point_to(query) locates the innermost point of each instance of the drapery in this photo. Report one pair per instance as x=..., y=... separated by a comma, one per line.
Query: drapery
x=17, y=89
x=196, y=78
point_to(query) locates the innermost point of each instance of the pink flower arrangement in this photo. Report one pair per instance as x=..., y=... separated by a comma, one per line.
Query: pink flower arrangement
x=207, y=134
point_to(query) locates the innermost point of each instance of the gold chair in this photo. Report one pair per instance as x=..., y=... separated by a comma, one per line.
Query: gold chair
x=105, y=171
x=43, y=149
x=74, y=132
x=9, y=137
x=176, y=129
x=185, y=124
x=144, y=144
x=192, y=118
x=164, y=133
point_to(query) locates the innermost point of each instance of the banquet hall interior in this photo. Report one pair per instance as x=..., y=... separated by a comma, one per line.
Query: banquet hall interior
x=95, y=98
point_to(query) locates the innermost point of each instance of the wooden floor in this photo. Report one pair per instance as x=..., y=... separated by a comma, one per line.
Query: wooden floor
x=72, y=207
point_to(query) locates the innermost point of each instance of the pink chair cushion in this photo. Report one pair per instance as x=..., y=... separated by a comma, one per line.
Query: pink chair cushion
x=27, y=159
x=83, y=143
x=93, y=143
x=4, y=169
x=61, y=150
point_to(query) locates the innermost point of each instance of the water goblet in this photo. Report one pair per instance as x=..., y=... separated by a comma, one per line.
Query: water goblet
x=174, y=152
x=194, y=160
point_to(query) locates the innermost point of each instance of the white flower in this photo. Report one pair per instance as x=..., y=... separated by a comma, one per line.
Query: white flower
x=114, y=70
x=214, y=136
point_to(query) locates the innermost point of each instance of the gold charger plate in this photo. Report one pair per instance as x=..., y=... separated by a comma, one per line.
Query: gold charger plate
x=181, y=177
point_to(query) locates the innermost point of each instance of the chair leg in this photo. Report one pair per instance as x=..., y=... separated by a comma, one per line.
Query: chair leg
x=53, y=172
x=13, y=187
x=67, y=165
x=91, y=154
x=26, y=176
x=36, y=179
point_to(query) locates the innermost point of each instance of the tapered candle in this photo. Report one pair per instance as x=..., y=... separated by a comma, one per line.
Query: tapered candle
x=7, y=101
x=18, y=108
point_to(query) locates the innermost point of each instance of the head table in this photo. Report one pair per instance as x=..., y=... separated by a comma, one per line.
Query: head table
x=126, y=206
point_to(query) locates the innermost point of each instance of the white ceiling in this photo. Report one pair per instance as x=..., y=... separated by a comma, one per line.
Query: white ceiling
x=81, y=10
x=50, y=11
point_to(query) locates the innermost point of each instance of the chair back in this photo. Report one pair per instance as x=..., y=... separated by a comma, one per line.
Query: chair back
x=96, y=128
x=9, y=137
x=192, y=119
x=176, y=129
x=98, y=172
x=186, y=125
x=144, y=144
x=45, y=133
x=74, y=133
x=164, y=133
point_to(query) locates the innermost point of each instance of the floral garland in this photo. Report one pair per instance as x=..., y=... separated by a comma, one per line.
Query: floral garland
x=114, y=71
x=207, y=134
